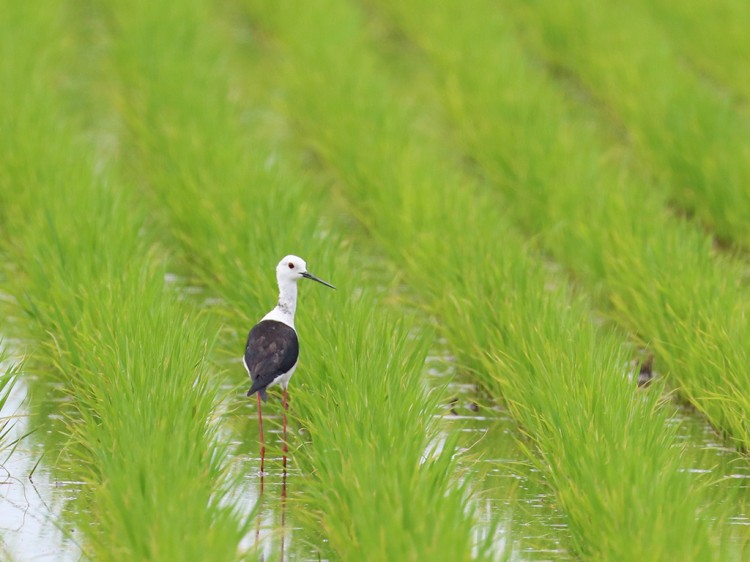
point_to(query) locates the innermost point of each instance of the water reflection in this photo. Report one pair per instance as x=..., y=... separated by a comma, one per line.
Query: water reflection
x=266, y=489
x=283, y=511
x=32, y=522
x=721, y=468
x=263, y=542
x=508, y=489
x=515, y=503
x=532, y=528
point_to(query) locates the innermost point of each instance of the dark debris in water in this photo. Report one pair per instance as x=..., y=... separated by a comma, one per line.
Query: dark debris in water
x=453, y=406
x=646, y=371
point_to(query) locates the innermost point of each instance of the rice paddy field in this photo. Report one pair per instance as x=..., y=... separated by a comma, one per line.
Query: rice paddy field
x=537, y=216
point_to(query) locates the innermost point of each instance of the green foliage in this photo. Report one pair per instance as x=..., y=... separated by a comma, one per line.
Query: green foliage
x=661, y=275
x=690, y=134
x=713, y=36
x=7, y=381
x=202, y=169
x=533, y=345
x=90, y=301
x=366, y=483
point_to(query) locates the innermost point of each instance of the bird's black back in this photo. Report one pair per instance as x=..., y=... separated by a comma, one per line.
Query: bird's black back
x=272, y=349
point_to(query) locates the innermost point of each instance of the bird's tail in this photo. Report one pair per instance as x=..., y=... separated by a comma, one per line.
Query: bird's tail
x=262, y=391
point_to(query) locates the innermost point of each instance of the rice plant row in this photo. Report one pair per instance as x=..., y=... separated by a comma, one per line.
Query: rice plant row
x=687, y=130
x=712, y=38
x=661, y=275
x=218, y=189
x=531, y=344
x=104, y=334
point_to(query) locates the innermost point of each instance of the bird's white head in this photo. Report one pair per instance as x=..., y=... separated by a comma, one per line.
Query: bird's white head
x=292, y=268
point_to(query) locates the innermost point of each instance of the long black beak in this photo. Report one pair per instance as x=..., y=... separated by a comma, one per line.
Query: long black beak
x=308, y=275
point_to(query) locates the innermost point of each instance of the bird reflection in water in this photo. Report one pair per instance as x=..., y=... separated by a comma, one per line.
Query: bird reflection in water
x=282, y=504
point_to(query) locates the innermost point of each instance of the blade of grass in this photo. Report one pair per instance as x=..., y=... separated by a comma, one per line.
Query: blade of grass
x=8, y=376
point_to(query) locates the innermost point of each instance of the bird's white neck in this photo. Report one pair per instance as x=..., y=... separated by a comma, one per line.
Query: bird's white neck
x=284, y=311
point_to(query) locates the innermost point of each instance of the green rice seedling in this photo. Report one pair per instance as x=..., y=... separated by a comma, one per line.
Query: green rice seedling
x=427, y=513
x=200, y=161
x=8, y=377
x=90, y=301
x=660, y=275
x=365, y=481
x=714, y=38
x=684, y=128
x=526, y=341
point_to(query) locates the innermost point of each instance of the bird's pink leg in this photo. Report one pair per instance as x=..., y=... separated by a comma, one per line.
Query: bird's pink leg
x=262, y=474
x=262, y=439
x=283, y=514
x=286, y=406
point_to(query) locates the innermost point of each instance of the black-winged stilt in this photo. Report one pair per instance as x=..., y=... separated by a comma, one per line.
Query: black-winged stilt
x=272, y=346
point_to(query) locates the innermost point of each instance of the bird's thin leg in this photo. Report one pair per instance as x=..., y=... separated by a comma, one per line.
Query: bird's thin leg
x=262, y=439
x=286, y=406
x=262, y=474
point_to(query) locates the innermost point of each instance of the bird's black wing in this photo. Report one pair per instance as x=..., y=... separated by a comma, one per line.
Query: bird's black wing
x=272, y=349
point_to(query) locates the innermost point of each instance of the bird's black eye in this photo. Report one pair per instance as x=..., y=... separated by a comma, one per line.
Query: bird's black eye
x=291, y=265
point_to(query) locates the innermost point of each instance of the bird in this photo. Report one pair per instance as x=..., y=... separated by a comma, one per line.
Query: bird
x=272, y=348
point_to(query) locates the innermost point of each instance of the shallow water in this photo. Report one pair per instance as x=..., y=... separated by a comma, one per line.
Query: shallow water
x=267, y=491
x=513, y=500
x=532, y=528
x=723, y=469
x=529, y=527
x=511, y=493
x=32, y=522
